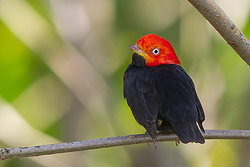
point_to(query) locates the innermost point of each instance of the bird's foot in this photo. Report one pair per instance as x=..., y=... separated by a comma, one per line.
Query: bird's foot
x=155, y=143
x=153, y=139
x=147, y=133
x=177, y=142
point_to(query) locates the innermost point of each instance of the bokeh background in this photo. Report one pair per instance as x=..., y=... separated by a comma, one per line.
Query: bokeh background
x=61, y=69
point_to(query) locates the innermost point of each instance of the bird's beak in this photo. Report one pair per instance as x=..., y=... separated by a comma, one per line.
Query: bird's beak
x=136, y=49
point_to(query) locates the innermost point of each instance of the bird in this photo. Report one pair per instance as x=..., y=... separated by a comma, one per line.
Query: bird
x=160, y=94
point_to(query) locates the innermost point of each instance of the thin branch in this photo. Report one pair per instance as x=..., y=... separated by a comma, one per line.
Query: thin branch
x=225, y=26
x=111, y=142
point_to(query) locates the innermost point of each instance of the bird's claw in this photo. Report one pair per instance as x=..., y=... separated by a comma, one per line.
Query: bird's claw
x=153, y=139
x=155, y=143
x=177, y=142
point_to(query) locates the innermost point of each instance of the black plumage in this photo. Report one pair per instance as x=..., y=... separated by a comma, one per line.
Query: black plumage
x=163, y=98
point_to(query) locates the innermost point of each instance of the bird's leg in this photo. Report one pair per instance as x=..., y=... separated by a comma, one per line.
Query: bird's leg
x=151, y=128
x=153, y=139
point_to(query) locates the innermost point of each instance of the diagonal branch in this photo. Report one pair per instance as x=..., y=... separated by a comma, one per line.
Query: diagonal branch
x=225, y=26
x=111, y=142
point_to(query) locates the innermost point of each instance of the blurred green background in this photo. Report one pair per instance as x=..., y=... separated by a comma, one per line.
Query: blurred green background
x=61, y=69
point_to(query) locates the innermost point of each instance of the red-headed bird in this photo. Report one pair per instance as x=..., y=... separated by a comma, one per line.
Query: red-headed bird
x=160, y=93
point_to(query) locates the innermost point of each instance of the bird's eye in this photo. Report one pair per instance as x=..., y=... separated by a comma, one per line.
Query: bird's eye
x=155, y=51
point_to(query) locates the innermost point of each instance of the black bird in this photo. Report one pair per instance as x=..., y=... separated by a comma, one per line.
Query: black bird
x=160, y=93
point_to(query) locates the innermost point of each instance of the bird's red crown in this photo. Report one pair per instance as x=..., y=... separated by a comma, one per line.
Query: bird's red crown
x=155, y=50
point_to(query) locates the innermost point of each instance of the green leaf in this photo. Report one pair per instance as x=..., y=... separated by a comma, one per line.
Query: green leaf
x=19, y=66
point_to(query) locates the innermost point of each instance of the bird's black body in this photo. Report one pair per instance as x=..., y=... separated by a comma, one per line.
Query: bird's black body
x=163, y=98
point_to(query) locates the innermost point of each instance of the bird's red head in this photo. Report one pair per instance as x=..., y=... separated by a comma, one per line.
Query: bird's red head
x=155, y=50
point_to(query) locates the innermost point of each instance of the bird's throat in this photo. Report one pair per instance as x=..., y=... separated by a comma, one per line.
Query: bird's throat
x=138, y=60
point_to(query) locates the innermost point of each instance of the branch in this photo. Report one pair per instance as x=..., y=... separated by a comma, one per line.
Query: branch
x=225, y=26
x=111, y=142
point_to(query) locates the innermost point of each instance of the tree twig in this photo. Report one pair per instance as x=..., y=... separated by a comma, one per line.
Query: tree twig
x=111, y=142
x=225, y=26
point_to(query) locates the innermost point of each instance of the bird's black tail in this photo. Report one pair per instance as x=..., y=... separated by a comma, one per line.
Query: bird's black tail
x=189, y=133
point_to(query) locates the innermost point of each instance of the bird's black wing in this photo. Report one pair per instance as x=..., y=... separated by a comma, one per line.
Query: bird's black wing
x=140, y=94
x=178, y=102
